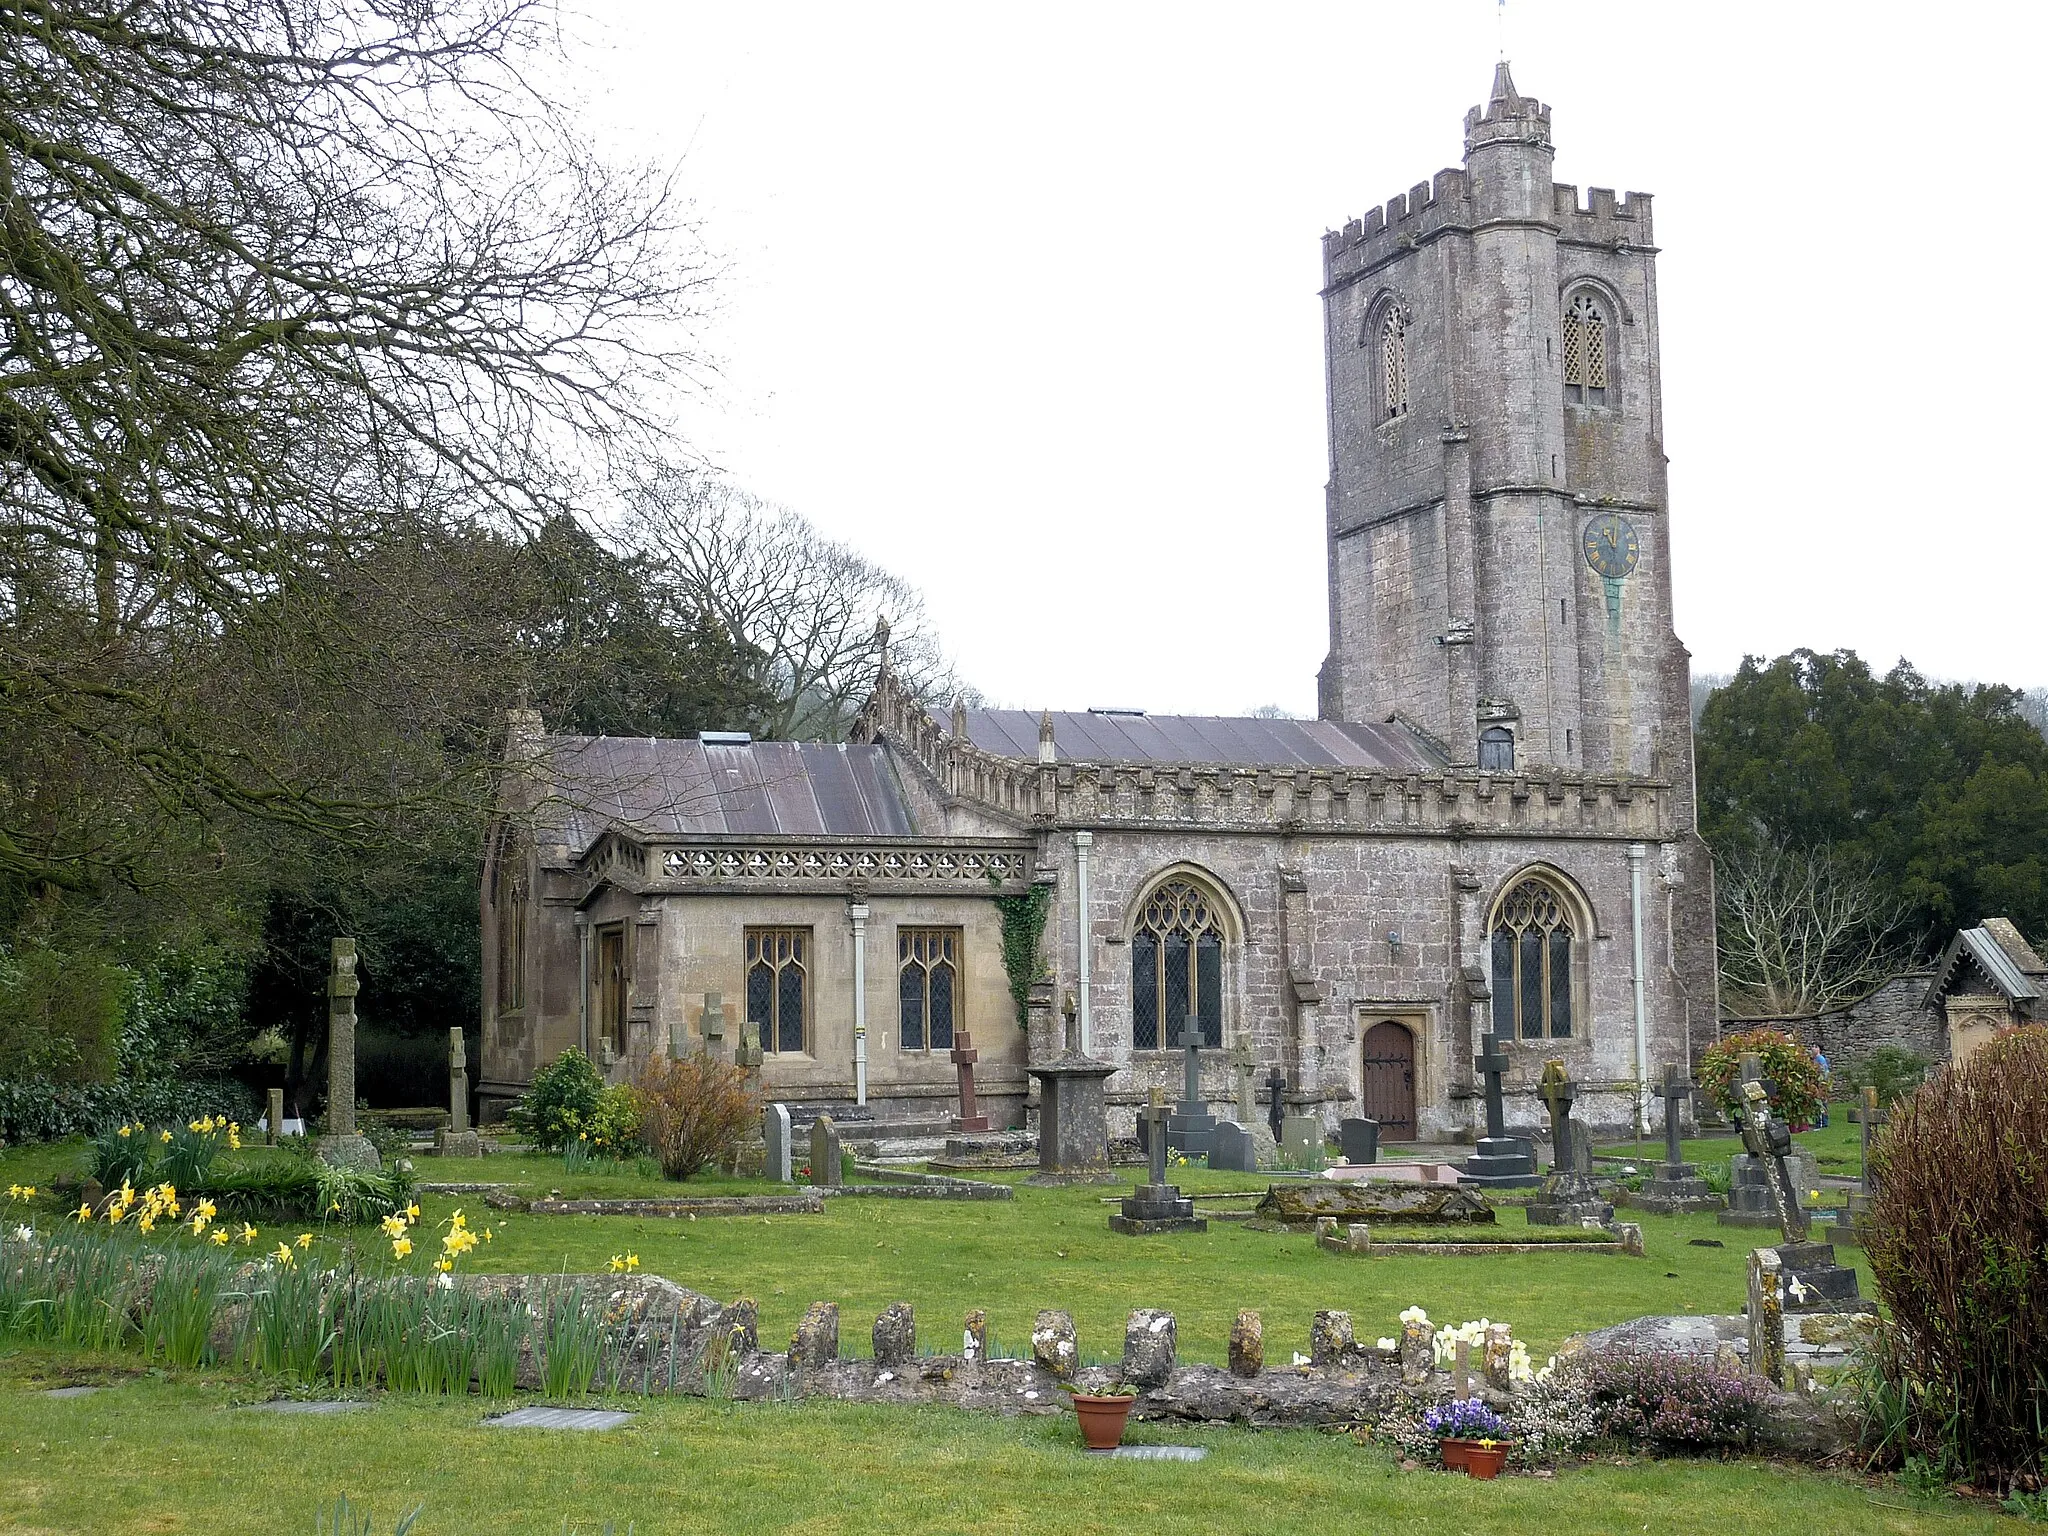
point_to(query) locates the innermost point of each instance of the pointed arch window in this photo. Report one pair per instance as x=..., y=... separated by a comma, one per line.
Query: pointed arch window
x=779, y=989
x=1177, y=967
x=510, y=897
x=1534, y=944
x=1393, y=364
x=1585, y=352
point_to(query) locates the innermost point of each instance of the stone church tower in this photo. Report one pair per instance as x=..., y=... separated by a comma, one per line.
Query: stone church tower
x=1498, y=540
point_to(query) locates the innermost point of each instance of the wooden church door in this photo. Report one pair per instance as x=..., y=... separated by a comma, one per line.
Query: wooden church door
x=1389, y=1080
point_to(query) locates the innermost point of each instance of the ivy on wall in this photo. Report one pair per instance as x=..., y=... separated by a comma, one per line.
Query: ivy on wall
x=1024, y=920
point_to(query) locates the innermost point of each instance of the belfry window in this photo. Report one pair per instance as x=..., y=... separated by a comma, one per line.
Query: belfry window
x=1177, y=968
x=927, y=986
x=779, y=988
x=1393, y=364
x=1496, y=750
x=1585, y=352
x=1533, y=938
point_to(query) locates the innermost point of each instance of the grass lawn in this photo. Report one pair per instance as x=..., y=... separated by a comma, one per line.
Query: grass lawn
x=1053, y=1248
x=1838, y=1149
x=174, y=1453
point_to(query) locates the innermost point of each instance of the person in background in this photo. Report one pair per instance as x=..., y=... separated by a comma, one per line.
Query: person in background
x=1820, y=1059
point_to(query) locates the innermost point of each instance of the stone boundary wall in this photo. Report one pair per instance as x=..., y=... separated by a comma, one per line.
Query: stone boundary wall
x=1892, y=1013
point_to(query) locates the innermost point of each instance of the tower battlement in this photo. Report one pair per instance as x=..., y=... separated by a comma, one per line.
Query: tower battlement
x=1602, y=220
x=1402, y=223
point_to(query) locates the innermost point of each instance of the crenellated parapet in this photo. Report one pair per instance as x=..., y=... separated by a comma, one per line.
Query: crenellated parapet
x=1413, y=218
x=1602, y=221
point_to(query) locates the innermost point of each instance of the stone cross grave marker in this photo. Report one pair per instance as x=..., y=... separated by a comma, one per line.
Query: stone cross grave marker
x=1559, y=1094
x=963, y=1057
x=1676, y=1090
x=1156, y=1116
x=458, y=1081
x=1500, y=1161
x=1156, y=1206
x=1191, y=1124
x=826, y=1168
x=1244, y=1065
x=1276, y=1095
x=341, y=1144
x=775, y=1136
x=1569, y=1198
x=1770, y=1143
x=1856, y=1229
x=1675, y=1186
x=714, y=1024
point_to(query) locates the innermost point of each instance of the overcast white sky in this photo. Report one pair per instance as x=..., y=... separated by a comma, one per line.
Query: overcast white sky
x=1022, y=303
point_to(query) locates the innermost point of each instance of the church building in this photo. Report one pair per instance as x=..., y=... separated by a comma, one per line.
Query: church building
x=1489, y=828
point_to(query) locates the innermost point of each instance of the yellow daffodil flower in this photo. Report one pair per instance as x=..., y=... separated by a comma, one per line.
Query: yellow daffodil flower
x=207, y=1209
x=632, y=1261
x=284, y=1255
x=248, y=1233
x=163, y=1136
x=443, y=1265
x=489, y=1233
x=85, y=1210
x=146, y=1222
x=617, y=1263
x=127, y=1131
x=220, y=1237
x=394, y=1226
x=234, y=1137
x=400, y=1247
x=413, y=1211
x=305, y=1240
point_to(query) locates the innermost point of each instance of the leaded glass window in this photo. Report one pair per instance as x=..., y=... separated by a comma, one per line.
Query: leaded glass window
x=928, y=986
x=1393, y=364
x=779, y=988
x=1177, y=968
x=1532, y=963
x=1585, y=352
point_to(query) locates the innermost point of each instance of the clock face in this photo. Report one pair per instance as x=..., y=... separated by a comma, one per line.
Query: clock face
x=1611, y=545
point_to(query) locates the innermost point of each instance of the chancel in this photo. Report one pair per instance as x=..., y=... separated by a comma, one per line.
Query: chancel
x=1489, y=821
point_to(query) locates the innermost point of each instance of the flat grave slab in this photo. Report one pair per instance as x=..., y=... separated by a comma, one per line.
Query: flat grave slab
x=1155, y=1452
x=560, y=1418
x=72, y=1391
x=320, y=1407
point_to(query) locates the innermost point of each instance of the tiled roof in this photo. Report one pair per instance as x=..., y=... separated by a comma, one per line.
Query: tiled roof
x=1998, y=967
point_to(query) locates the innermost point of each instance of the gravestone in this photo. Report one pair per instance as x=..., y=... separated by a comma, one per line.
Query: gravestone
x=1231, y=1149
x=775, y=1136
x=712, y=1023
x=342, y=1144
x=1187, y=1131
x=273, y=1123
x=964, y=1055
x=1301, y=1140
x=1568, y=1198
x=456, y=1139
x=1501, y=1161
x=1244, y=1067
x=1676, y=1185
x=828, y=1169
x=1856, y=1230
x=1157, y=1206
x=1358, y=1141
x=1753, y=1190
x=1810, y=1278
x=1276, y=1101
x=1073, y=1129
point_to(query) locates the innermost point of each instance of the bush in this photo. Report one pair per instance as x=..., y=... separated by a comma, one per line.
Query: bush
x=693, y=1110
x=1786, y=1062
x=563, y=1095
x=1959, y=1249
x=60, y=1013
x=1669, y=1400
x=37, y=1109
x=1893, y=1072
x=612, y=1129
x=353, y=1197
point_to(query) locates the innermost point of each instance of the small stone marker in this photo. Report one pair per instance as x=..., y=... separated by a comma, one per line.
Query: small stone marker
x=1569, y=1198
x=775, y=1135
x=1329, y=1338
x=1187, y=1132
x=342, y=1144
x=1301, y=1138
x=1148, y=1347
x=1053, y=1344
x=964, y=1055
x=712, y=1024
x=1155, y=1452
x=318, y=1407
x=1244, y=1066
x=273, y=1124
x=1498, y=1357
x=1500, y=1161
x=1358, y=1141
x=1247, y=1345
x=827, y=1168
x=816, y=1340
x=457, y=1139
x=974, y=1335
x=895, y=1336
x=560, y=1418
x=1231, y=1149
x=1157, y=1206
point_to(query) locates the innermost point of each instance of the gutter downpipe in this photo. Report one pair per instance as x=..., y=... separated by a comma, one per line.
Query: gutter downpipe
x=859, y=913
x=1083, y=841
x=1637, y=854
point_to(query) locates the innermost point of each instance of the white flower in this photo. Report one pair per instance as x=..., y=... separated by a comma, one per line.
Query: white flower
x=1415, y=1315
x=1388, y=1344
x=25, y=1234
x=1798, y=1290
x=1301, y=1359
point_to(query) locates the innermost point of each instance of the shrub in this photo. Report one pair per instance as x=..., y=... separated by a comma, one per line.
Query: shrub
x=693, y=1110
x=612, y=1128
x=40, y=1109
x=1959, y=1249
x=1551, y=1419
x=1670, y=1400
x=1893, y=1072
x=121, y=1154
x=1786, y=1062
x=60, y=1013
x=564, y=1093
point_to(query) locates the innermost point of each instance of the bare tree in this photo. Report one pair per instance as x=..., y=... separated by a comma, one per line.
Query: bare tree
x=1804, y=930
x=278, y=278
x=805, y=605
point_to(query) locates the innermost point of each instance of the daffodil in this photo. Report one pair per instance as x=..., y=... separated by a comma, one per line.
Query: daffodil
x=248, y=1233
x=284, y=1255
x=394, y=1226
x=220, y=1237
x=443, y=1265
x=413, y=1211
x=163, y=1135
x=234, y=1137
x=489, y=1233
x=127, y=1131
x=84, y=1211
x=304, y=1240
x=618, y=1263
x=400, y=1247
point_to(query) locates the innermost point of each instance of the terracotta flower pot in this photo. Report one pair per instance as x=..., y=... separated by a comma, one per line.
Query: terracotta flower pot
x=1485, y=1461
x=1456, y=1453
x=1102, y=1420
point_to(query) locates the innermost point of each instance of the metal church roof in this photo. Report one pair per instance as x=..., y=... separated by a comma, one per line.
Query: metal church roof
x=1127, y=736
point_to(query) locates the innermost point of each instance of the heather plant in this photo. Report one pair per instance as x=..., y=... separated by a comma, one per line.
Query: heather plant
x=1959, y=1248
x=1785, y=1061
x=1669, y=1400
x=1552, y=1418
x=693, y=1111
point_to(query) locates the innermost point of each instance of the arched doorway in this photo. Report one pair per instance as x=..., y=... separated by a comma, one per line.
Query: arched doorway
x=1389, y=1080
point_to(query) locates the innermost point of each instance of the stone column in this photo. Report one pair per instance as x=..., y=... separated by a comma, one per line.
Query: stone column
x=341, y=1144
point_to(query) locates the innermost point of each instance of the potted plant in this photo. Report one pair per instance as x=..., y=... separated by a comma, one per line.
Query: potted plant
x=1103, y=1414
x=1485, y=1457
x=1465, y=1429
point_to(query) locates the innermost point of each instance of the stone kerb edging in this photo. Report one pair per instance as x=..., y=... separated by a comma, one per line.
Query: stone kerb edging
x=668, y=1338
x=806, y=1204
x=962, y=1189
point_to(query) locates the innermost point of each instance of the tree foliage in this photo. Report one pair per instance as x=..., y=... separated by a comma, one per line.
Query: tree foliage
x=1941, y=791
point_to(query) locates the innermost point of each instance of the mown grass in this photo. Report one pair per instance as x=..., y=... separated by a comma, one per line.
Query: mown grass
x=1837, y=1150
x=175, y=1453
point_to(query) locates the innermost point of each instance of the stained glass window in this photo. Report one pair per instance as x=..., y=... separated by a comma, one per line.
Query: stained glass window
x=1177, y=968
x=1585, y=352
x=927, y=986
x=779, y=988
x=1532, y=963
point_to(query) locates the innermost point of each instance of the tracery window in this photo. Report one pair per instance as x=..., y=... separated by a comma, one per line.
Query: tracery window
x=1177, y=967
x=1393, y=364
x=927, y=986
x=779, y=988
x=1533, y=936
x=1585, y=352
x=1496, y=750
x=510, y=898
